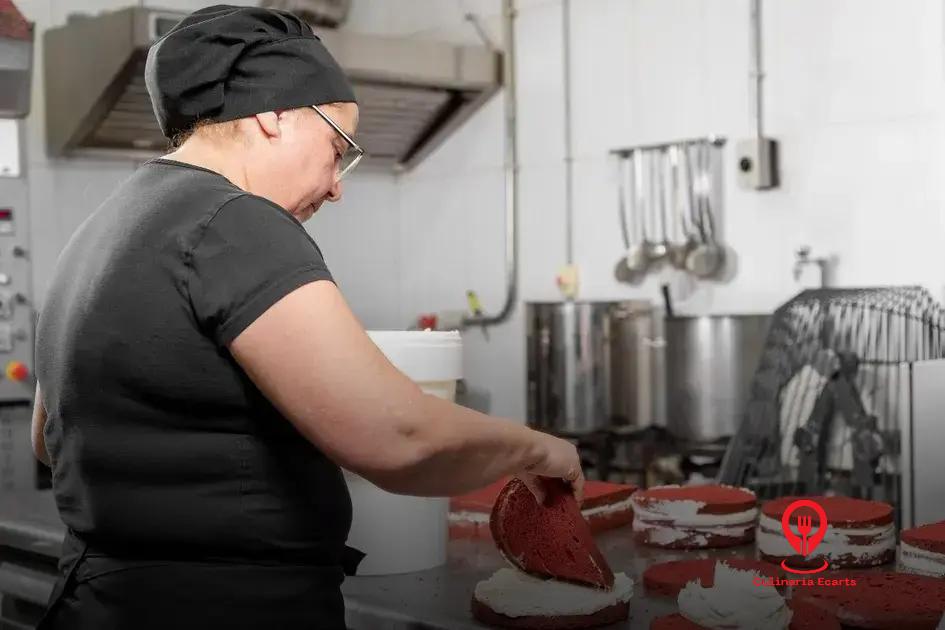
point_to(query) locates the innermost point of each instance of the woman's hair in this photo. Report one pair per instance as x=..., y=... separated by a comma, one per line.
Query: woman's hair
x=229, y=129
x=209, y=128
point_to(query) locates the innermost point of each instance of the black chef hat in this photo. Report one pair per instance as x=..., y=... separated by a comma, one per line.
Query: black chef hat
x=224, y=62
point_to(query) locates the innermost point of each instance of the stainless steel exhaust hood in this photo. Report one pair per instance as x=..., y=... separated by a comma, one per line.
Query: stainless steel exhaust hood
x=16, y=61
x=412, y=94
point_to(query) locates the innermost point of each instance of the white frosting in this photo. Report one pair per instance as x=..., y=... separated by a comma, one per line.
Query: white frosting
x=468, y=517
x=915, y=560
x=609, y=508
x=516, y=594
x=734, y=601
x=836, y=543
x=465, y=516
x=941, y=624
x=668, y=534
x=685, y=513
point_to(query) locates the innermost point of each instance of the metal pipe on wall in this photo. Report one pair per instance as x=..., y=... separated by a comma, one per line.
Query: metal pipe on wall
x=757, y=72
x=568, y=139
x=511, y=175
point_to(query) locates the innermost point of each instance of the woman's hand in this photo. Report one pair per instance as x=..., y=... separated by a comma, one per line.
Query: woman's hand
x=561, y=461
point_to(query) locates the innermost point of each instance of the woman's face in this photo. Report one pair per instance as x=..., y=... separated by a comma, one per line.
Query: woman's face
x=299, y=166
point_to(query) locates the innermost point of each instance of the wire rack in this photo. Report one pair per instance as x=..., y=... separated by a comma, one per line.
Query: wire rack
x=831, y=393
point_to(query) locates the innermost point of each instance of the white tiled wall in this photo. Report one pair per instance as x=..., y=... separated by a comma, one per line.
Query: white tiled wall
x=854, y=93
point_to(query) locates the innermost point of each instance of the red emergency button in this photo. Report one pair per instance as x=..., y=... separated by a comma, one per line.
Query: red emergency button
x=17, y=371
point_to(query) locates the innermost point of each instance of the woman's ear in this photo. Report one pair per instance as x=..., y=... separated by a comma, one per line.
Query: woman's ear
x=269, y=123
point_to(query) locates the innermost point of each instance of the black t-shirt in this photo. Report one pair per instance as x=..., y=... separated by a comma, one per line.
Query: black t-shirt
x=160, y=443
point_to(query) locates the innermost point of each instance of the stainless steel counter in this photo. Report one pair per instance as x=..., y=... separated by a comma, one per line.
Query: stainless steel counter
x=439, y=598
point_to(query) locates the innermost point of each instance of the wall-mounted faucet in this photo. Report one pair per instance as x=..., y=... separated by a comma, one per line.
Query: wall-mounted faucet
x=803, y=258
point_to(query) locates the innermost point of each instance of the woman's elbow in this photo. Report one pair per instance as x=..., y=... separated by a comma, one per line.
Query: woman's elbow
x=395, y=468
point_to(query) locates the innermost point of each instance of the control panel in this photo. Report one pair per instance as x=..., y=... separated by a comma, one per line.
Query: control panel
x=17, y=318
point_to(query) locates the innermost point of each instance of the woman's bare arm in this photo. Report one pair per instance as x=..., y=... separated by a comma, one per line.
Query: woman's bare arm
x=37, y=426
x=311, y=357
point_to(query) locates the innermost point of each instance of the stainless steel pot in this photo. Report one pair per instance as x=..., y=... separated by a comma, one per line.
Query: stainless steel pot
x=591, y=365
x=710, y=361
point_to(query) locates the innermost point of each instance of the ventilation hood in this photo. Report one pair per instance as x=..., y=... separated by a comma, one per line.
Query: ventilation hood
x=411, y=93
x=16, y=61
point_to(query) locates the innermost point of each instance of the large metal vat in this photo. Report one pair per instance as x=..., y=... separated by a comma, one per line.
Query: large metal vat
x=710, y=361
x=592, y=365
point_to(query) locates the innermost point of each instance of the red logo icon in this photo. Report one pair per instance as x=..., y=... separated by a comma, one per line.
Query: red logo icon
x=803, y=542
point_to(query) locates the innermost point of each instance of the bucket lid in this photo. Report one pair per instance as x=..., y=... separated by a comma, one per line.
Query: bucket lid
x=425, y=356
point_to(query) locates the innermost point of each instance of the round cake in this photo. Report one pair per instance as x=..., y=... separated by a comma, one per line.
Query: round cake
x=803, y=617
x=694, y=517
x=859, y=533
x=513, y=599
x=878, y=600
x=922, y=550
x=668, y=578
x=605, y=506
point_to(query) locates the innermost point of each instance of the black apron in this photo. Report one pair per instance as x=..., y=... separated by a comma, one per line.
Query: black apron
x=96, y=591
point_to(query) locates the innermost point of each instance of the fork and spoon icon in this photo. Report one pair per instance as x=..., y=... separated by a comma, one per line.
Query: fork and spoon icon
x=804, y=526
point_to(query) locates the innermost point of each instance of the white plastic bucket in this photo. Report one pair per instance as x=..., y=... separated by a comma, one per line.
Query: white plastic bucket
x=401, y=534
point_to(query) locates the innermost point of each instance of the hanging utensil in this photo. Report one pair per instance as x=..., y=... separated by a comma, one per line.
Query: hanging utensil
x=678, y=250
x=656, y=249
x=688, y=212
x=638, y=259
x=664, y=199
x=706, y=259
x=622, y=270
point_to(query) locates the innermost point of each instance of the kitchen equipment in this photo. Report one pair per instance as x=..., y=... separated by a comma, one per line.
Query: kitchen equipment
x=415, y=529
x=706, y=258
x=31, y=532
x=843, y=400
x=592, y=365
x=16, y=61
x=663, y=179
x=623, y=272
x=678, y=250
x=655, y=247
x=412, y=94
x=637, y=366
x=638, y=257
x=672, y=194
x=709, y=364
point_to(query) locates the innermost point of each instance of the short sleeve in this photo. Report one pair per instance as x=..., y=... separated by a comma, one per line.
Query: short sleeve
x=249, y=255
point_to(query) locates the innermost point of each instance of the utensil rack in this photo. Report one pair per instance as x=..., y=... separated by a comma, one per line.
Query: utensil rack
x=668, y=207
x=717, y=141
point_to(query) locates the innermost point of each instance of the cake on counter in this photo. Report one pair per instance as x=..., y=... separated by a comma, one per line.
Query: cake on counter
x=558, y=578
x=734, y=599
x=605, y=506
x=694, y=517
x=922, y=550
x=879, y=600
x=513, y=599
x=860, y=533
x=804, y=617
x=668, y=578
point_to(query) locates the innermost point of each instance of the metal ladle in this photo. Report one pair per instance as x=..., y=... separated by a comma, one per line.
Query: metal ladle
x=707, y=258
x=638, y=256
x=622, y=270
x=655, y=250
x=677, y=251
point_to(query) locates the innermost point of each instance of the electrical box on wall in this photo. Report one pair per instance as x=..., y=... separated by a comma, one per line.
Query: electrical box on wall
x=757, y=162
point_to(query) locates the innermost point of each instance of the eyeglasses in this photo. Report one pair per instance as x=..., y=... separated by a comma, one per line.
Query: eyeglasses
x=352, y=155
